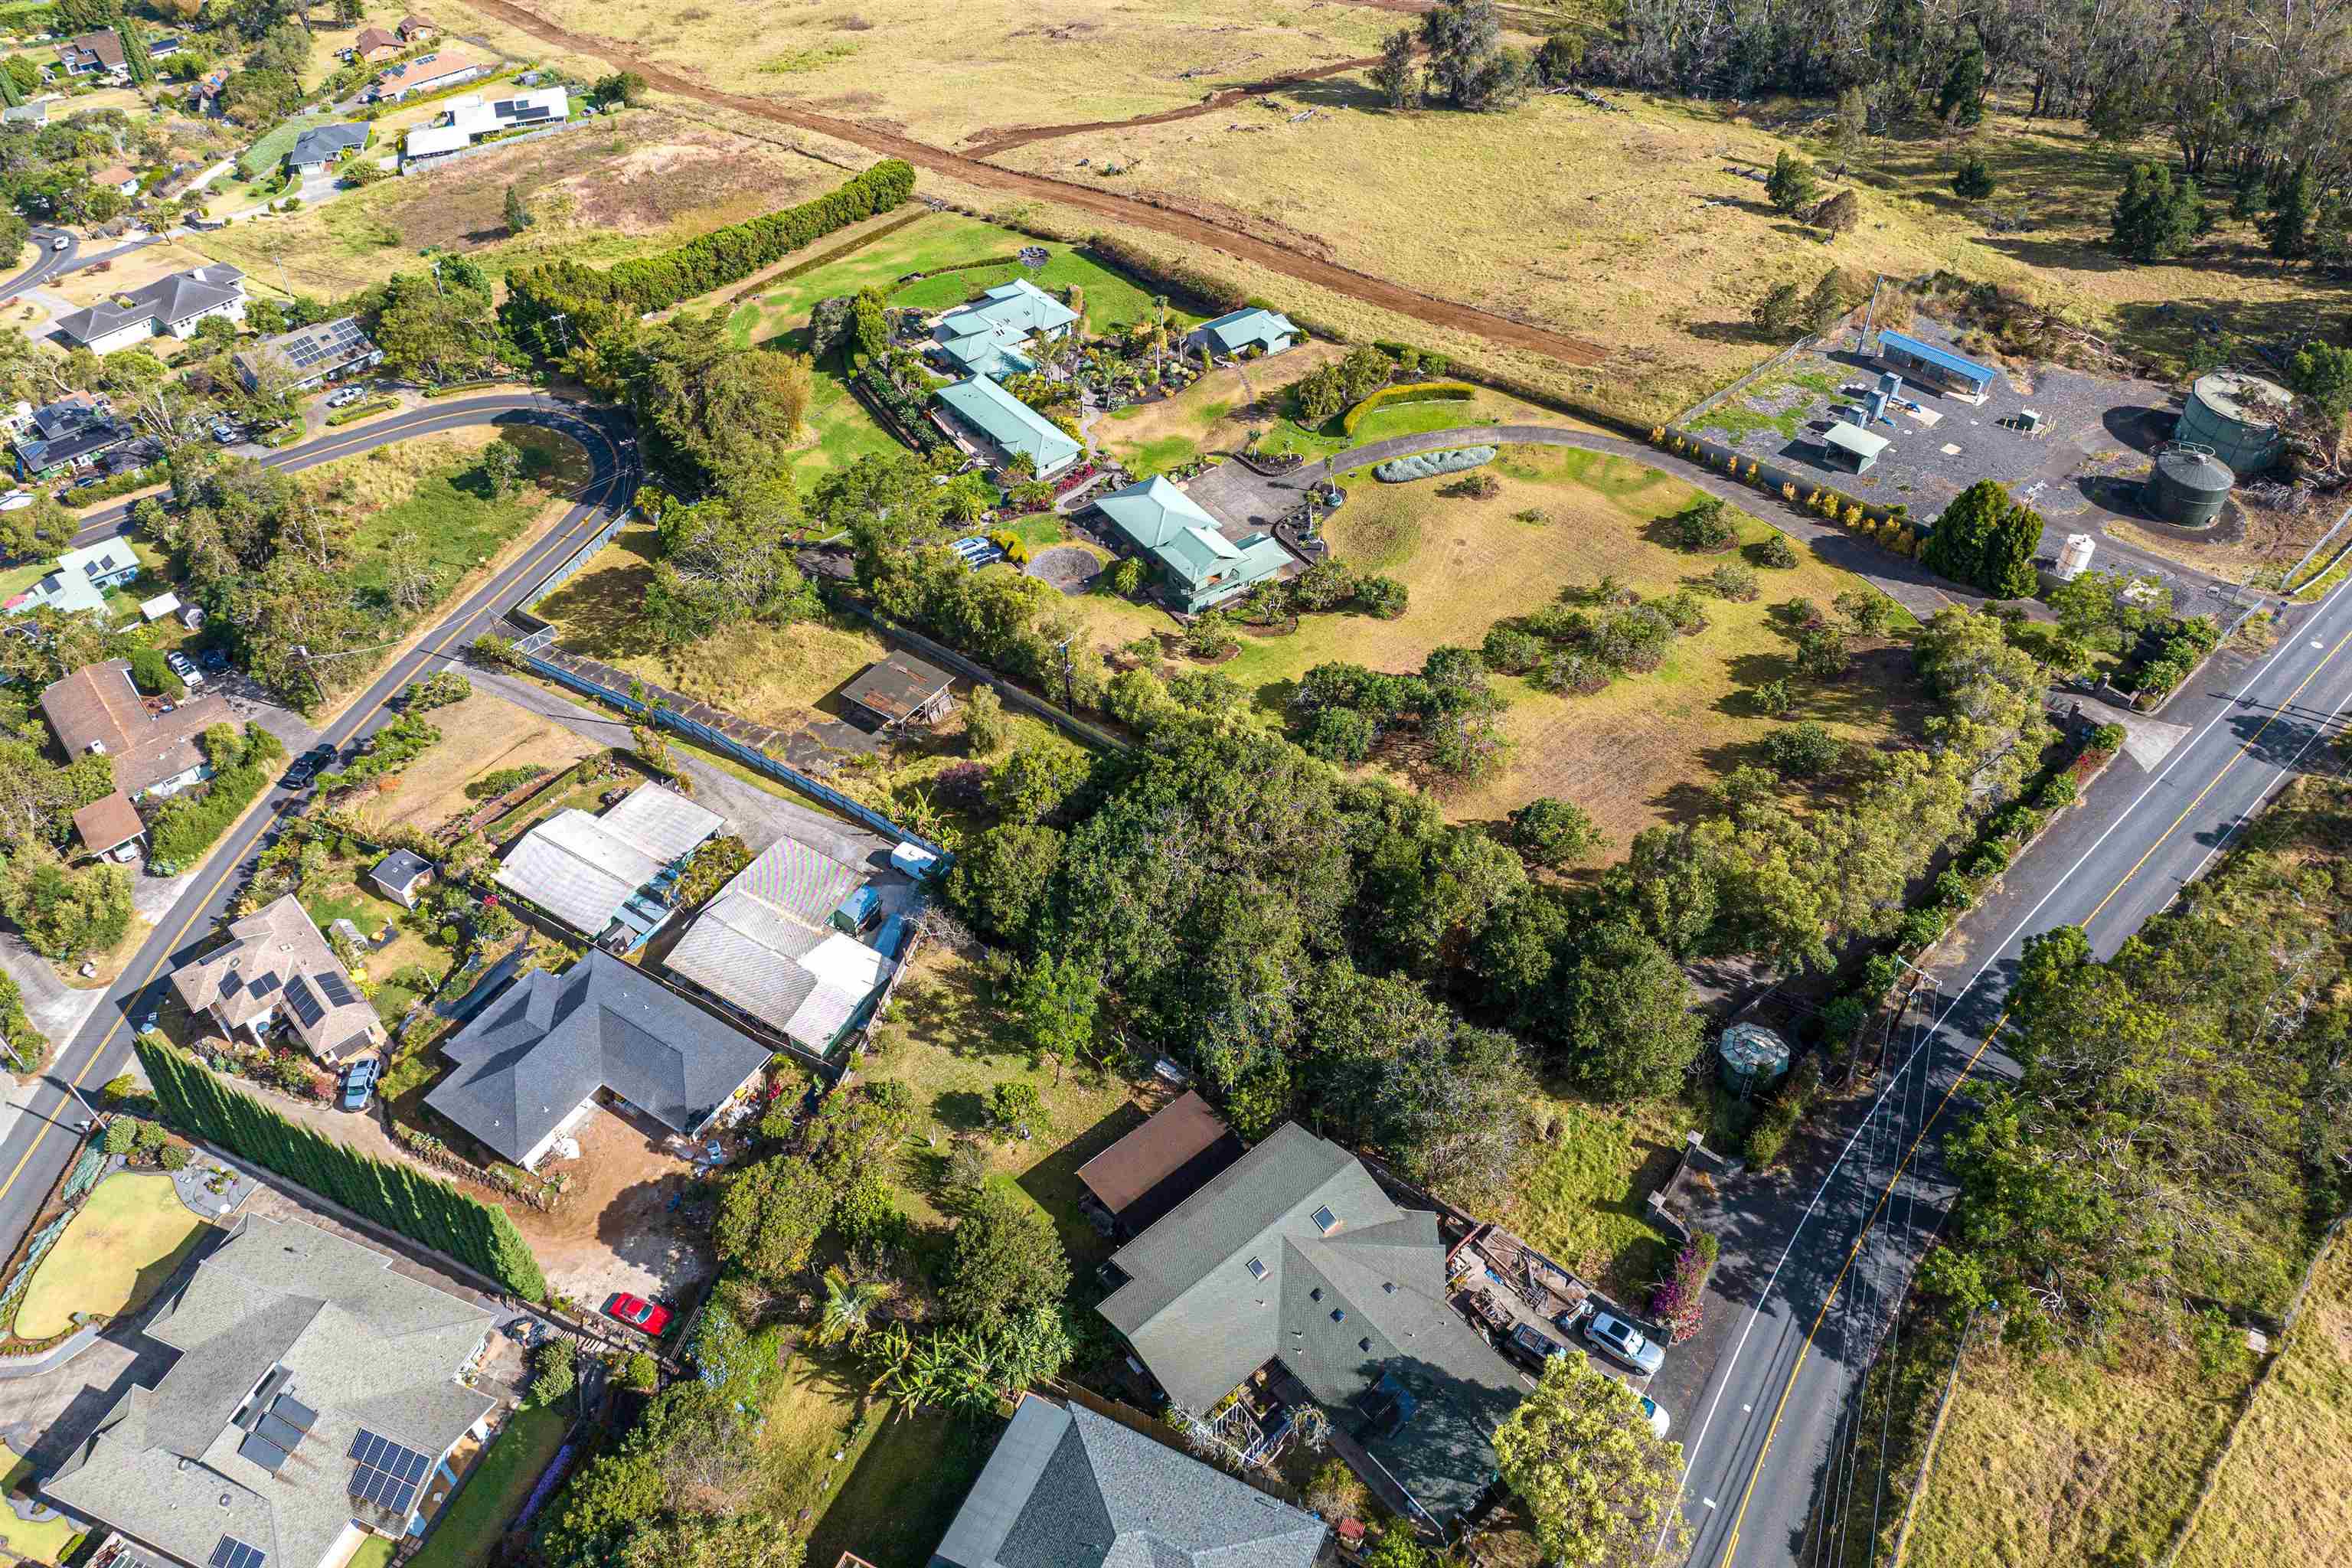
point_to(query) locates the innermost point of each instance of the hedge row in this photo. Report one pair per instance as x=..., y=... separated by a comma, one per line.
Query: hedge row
x=359, y=410
x=450, y=389
x=1409, y=392
x=421, y=1207
x=119, y=485
x=21, y=1045
x=712, y=260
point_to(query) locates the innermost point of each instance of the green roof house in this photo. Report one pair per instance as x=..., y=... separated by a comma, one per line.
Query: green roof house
x=987, y=336
x=1204, y=568
x=1001, y=420
x=1237, y=330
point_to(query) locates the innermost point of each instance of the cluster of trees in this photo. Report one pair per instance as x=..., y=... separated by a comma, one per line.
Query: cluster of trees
x=1785, y=311
x=717, y=419
x=1457, y=58
x=1987, y=540
x=1349, y=712
x=2185, y=1107
x=439, y=325
x=394, y=1194
x=1324, y=394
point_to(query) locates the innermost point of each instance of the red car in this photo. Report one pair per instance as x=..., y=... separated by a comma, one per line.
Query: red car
x=651, y=1317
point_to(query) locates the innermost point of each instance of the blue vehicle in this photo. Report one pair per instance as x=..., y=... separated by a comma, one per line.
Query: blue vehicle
x=359, y=1084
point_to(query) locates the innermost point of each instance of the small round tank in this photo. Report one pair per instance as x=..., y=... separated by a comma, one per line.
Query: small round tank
x=1753, y=1058
x=2188, y=485
x=2236, y=415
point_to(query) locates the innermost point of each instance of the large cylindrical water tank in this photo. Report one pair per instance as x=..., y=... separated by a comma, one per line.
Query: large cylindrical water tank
x=2237, y=415
x=2188, y=485
x=1753, y=1058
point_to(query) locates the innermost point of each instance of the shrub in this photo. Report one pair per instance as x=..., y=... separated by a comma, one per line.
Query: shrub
x=1703, y=526
x=1429, y=465
x=121, y=1133
x=1990, y=859
x=152, y=1137
x=1341, y=735
x=1511, y=650
x=2106, y=737
x=1383, y=597
x=1821, y=653
x=1733, y=582
x=119, y=1088
x=640, y=1371
x=1802, y=751
x=1326, y=586
x=1577, y=672
x=1473, y=487
x=173, y=1157
x=1776, y=698
x=2060, y=790
x=1681, y=611
x=1014, y=1105
x=1552, y=833
x=1775, y=553
x=1676, y=1299
x=1919, y=928
x=554, y=1370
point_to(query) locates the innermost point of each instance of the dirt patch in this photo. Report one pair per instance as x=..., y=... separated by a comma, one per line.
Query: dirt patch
x=483, y=734
x=633, y=1218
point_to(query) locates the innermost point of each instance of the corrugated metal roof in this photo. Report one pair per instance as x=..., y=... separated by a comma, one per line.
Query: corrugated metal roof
x=661, y=822
x=1009, y=422
x=571, y=868
x=1959, y=364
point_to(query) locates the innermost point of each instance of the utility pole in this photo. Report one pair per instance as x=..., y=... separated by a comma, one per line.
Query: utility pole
x=560, y=318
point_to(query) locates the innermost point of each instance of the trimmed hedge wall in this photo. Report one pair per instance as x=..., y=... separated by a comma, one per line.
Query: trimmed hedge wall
x=1409, y=392
x=359, y=410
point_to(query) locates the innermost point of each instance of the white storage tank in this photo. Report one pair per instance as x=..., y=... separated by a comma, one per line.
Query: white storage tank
x=2075, y=558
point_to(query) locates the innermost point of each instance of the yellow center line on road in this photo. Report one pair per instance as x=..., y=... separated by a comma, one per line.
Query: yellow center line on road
x=583, y=529
x=1731, y=1543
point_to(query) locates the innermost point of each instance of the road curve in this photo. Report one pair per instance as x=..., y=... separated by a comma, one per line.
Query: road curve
x=35, y=1149
x=47, y=261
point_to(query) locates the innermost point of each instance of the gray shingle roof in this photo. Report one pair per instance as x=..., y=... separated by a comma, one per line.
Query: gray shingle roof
x=324, y=143
x=360, y=1345
x=1203, y=1319
x=1069, y=1488
x=527, y=1060
x=162, y=302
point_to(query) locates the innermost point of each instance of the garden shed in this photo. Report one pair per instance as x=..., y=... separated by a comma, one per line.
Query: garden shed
x=1269, y=332
x=1854, y=448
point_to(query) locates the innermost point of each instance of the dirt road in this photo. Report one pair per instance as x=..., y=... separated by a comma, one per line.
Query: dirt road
x=990, y=143
x=1135, y=211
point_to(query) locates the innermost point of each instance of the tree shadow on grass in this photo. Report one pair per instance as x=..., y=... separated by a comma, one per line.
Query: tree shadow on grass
x=1053, y=1184
x=602, y=611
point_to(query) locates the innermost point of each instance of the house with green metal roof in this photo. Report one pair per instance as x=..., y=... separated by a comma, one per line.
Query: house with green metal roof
x=989, y=336
x=1203, y=567
x=1230, y=334
x=997, y=419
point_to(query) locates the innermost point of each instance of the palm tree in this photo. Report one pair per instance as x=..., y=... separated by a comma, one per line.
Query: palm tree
x=848, y=1312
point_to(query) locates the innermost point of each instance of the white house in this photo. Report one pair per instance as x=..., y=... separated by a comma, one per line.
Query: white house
x=472, y=117
x=175, y=306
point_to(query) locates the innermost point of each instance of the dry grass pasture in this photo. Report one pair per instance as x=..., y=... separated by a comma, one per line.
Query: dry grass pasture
x=482, y=734
x=124, y=273
x=2285, y=1493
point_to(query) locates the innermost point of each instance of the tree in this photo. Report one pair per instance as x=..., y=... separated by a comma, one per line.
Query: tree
x=554, y=1370
x=847, y=1312
x=1987, y=540
x=2156, y=217
x=2319, y=373
x=770, y=1215
x=1622, y=1013
x=1397, y=73
x=2287, y=229
x=1599, y=1487
x=1961, y=102
x=1702, y=525
x=1777, y=310
x=502, y=465
x=63, y=915
x=1973, y=180
x=1003, y=1260
x=1031, y=784
x=517, y=212
x=1552, y=833
x=1468, y=66
x=985, y=727
x=1055, y=1004
x=1791, y=185
x=622, y=87
x=42, y=528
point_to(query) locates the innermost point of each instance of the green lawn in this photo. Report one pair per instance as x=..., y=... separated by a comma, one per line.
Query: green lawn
x=1579, y=1196
x=270, y=151
x=45, y=1543
x=127, y=1240
x=375, y=1552
x=494, y=1491
x=902, y=1492
x=459, y=520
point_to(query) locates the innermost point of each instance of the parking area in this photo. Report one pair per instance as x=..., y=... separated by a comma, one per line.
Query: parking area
x=1511, y=1293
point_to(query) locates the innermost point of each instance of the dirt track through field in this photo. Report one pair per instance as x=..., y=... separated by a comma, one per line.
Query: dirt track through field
x=1142, y=214
x=1007, y=141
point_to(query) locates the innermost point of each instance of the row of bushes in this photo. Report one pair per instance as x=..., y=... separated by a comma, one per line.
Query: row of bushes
x=2188, y=641
x=367, y=409
x=1676, y=1300
x=901, y=407
x=451, y=389
x=21, y=1045
x=122, y=484
x=1409, y=392
x=711, y=260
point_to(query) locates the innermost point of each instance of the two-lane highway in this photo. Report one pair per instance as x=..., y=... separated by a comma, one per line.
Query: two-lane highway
x=35, y=1148
x=1810, y=1285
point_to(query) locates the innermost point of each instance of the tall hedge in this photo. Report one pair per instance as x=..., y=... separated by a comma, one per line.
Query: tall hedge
x=421, y=1207
x=1407, y=391
x=708, y=261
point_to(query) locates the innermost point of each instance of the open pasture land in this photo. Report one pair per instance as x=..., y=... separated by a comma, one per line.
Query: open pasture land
x=602, y=194
x=482, y=734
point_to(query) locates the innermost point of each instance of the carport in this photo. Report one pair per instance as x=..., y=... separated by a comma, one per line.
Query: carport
x=1852, y=447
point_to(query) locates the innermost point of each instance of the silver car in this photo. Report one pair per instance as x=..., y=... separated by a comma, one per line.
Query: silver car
x=1623, y=1344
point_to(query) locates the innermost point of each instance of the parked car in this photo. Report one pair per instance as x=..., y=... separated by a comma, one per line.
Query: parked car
x=184, y=667
x=306, y=767
x=359, y=1084
x=1623, y=1344
x=223, y=432
x=1655, y=1415
x=214, y=659
x=1532, y=1346
x=347, y=395
x=651, y=1317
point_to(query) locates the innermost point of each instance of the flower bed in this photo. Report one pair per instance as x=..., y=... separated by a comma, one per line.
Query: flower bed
x=1676, y=1300
x=1429, y=465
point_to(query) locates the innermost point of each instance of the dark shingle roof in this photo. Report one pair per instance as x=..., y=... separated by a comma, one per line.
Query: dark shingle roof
x=323, y=143
x=1069, y=1488
x=529, y=1059
x=163, y=301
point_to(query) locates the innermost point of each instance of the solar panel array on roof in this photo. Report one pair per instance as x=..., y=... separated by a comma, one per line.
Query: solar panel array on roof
x=234, y=1553
x=385, y=1473
x=323, y=344
x=334, y=988
x=261, y=985
x=305, y=1006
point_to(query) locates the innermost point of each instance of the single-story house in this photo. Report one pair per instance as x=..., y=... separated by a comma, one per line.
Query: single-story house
x=1203, y=567
x=399, y=875
x=531, y=1065
x=1267, y=331
x=277, y=967
x=174, y=305
x=1935, y=364
x=96, y=709
x=33, y=113
x=59, y=436
x=610, y=877
x=417, y=29
x=323, y=146
x=986, y=336
x=111, y=824
x=314, y=1398
x=94, y=54
x=315, y=354
x=1067, y=1488
x=766, y=947
x=205, y=96
x=994, y=416
x=82, y=578
x=120, y=178
x=899, y=689
x=375, y=46
x=425, y=73
x=472, y=117
x=1159, y=1164
x=164, y=48
x=1852, y=446
x=1294, y=1254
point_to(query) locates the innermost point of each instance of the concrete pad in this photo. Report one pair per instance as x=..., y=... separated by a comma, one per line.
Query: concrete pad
x=2148, y=741
x=1951, y=450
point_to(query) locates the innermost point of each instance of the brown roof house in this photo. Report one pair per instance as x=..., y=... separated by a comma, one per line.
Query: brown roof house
x=376, y=45
x=97, y=710
x=1159, y=1164
x=94, y=54
x=277, y=967
x=416, y=30
x=108, y=825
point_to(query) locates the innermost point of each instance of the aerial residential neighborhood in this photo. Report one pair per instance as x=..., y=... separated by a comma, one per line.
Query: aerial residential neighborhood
x=1449, y=784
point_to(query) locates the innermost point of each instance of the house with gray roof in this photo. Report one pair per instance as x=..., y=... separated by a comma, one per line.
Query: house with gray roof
x=531, y=1065
x=321, y=145
x=173, y=306
x=311, y=1401
x=1293, y=1254
x=278, y=968
x=1065, y=1488
x=1267, y=332
x=1005, y=428
x=1200, y=567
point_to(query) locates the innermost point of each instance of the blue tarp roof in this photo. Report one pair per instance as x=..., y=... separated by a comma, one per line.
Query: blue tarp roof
x=1958, y=364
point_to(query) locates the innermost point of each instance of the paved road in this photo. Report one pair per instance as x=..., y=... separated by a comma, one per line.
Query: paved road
x=47, y=262
x=1808, y=1277
x=35, y=1149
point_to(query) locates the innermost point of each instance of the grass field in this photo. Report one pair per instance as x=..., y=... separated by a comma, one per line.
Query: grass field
x=2285, y=1493
x=1579, y=1197
x=375, y=1552
x=433, y=496
x=44, y=1543
x=127, y=1240
x=485, y=733
x=493, y=1493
